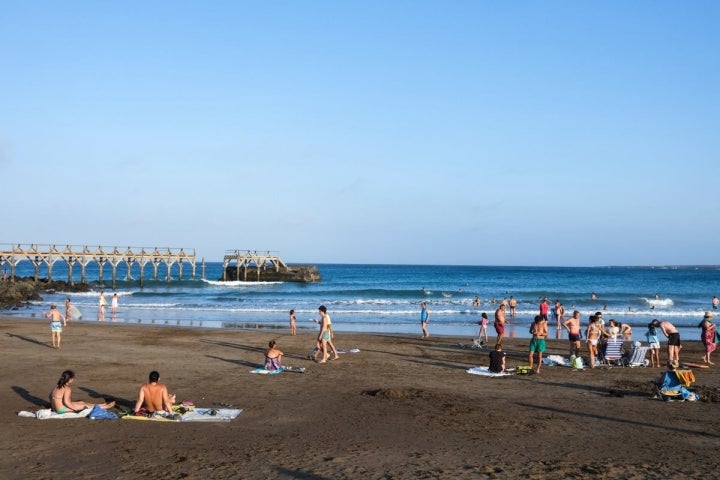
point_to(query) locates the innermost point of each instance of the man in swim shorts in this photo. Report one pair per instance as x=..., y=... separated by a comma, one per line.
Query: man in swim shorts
x=500, y=323
x=537, y=344
x=572, y=325
x=673, y=337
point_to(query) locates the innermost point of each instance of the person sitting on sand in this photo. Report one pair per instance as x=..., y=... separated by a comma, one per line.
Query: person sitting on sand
x=497, y=359
x=273, y=357
x=154, y=396
x=61, y=397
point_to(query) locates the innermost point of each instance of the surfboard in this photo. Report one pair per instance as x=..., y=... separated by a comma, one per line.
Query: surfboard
x=75, y=313
x=694, y=365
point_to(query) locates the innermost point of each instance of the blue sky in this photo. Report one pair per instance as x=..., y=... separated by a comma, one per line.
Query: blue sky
x=461, y=132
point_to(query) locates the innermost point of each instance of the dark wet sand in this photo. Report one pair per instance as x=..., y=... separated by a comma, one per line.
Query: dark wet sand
x=403, y=408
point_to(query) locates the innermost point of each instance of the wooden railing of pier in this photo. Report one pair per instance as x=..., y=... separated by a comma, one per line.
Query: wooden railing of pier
x=37, y=254
x=245, y=259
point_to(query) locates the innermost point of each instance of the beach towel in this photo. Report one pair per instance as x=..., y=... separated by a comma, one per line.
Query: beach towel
x=485, y=372
x=552, y=360
x=195, y=415
x=352, y=350
x=265, y=371
x=284, y=368
x=47, y=413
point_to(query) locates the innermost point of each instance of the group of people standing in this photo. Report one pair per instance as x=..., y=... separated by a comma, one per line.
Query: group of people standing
x=102, y=303
x=596, y=335
x=58, y=321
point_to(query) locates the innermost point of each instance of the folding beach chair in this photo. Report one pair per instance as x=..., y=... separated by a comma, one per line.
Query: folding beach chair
x=637, y=357
x=612, y=352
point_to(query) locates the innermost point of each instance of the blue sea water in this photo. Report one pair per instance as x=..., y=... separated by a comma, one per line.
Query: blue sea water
x=386, y=298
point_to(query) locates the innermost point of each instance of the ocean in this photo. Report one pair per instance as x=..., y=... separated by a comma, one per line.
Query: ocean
x=386, y=298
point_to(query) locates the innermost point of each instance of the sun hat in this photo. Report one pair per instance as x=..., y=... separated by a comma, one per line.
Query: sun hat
x=708, y=315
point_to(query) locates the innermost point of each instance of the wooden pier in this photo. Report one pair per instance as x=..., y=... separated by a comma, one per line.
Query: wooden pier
x=48, y=255
x=264, y=267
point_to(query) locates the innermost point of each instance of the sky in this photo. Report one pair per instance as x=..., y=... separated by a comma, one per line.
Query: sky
x=549, y=133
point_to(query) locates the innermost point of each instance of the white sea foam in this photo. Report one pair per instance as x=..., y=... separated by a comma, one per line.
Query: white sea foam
x=660, y=302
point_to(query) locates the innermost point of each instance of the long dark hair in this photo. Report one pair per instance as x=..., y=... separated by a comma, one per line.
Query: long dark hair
x=65, y=377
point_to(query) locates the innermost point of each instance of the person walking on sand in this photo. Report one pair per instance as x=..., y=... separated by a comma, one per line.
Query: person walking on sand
x=483, y=327
x=424, y=319
x=500, y=323
x=61, y=396
x=293, y=320
x=101, y=307
x=326, y=335
x=55, y=326
x=154, y=396
x=537, y=344
x=673, y=339
x=708, y=336
x=572, y=325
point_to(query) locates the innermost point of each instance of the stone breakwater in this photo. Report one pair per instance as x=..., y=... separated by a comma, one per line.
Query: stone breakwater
x=291, y=273
x=17, y=293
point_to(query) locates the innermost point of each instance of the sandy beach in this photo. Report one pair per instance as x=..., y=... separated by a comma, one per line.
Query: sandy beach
x=401, y=408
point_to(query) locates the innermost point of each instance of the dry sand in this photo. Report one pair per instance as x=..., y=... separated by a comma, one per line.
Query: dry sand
x=402, y=408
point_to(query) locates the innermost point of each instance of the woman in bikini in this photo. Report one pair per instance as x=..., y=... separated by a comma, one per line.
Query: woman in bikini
x=61, y=396
x=592, y=334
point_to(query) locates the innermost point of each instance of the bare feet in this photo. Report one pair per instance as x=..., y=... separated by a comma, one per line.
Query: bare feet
x=336, y=357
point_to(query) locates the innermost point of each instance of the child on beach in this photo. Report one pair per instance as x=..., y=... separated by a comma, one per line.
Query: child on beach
x=55, y=326
x=483, y=326
x=654, y=343
x=293, y=327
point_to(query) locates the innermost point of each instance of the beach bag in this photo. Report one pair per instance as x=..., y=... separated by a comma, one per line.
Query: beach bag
x=98, y=413
x=578, y=363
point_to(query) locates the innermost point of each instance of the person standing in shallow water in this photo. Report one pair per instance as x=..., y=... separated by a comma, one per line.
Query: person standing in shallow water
x=293, y=326
x=101, y=307
x=424, y=319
